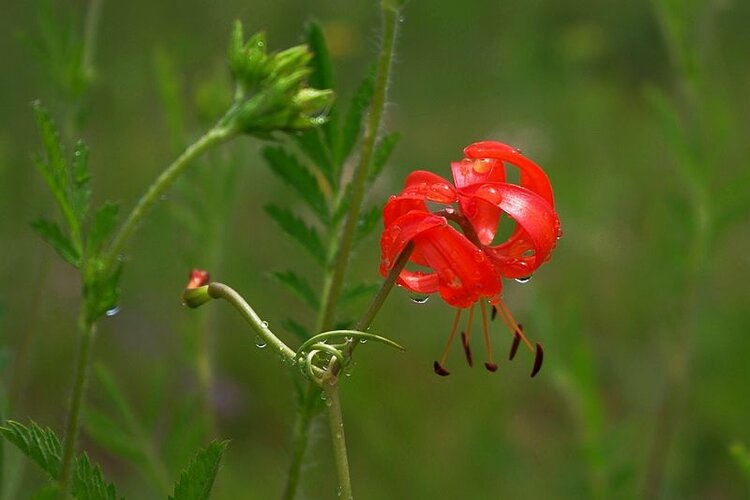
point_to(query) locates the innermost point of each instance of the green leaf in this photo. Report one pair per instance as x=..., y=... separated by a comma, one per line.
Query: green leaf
x=368, y=221
x=383, y=150
x=290, y=170
x=52, y=234
x=104, y=223
x=296, y=328
x=353, y=119
x=89, y=483
x=197, y=479
x=311, y=144
x=322, y=75
x=81, y=193
x=53, y=168
x=307, y=236
x=356, y=292
x=300, y=286
x=40, y=445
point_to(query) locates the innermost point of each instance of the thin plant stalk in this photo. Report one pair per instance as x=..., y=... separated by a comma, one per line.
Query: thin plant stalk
x=342, y=243
x=336, y=425
x=88, y=332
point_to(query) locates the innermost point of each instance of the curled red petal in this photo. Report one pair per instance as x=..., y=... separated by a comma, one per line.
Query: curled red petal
x=484, y=216
x=403, y=230
x=464, y=272
x=537, y=221
x=474, y=171
x=425, y=185
x=533, y=177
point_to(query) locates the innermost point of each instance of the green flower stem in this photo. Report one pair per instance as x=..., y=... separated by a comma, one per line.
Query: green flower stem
x=213, y=137
x=88, y=332
x=336, y=424
x=334, y=279
x=222, y=291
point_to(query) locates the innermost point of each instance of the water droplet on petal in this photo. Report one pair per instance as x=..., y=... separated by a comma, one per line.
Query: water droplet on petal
x=259, y=342
x=419, y=299
x=524, y=279
x=113, y=311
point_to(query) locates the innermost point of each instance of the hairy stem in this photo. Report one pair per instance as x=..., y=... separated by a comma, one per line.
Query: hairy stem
x=335, y=279
x=213, y=137
x=88, y=332
x=338, y=440
x=222, y=291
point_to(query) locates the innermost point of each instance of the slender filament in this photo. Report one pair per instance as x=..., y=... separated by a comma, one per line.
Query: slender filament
x=513, y=326
x=451, y=337
x=486, y=331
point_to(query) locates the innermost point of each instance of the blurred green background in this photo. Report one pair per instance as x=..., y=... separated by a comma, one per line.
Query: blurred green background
x=646, y=338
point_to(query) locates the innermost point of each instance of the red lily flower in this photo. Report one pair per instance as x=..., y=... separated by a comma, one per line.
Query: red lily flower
x=464, y=267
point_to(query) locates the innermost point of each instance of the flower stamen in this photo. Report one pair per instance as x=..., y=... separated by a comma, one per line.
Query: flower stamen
x=465, y=335
x=439, y=365
x=490, y=364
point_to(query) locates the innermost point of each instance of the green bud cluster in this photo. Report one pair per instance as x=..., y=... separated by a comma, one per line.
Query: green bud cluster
x=272, y=93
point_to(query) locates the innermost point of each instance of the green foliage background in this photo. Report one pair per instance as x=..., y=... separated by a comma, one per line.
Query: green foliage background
x=569, y=83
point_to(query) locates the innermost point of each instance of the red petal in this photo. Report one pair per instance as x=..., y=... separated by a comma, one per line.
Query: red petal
x=538, y=227
x=401, y=231
x=474, y=171
x=424, y=185
x=483, y=216
x=533, y=177
x=464, y=272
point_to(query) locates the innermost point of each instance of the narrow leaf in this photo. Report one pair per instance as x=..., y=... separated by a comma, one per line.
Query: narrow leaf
x=317, y=152
x=40, y=445
x=300, y=286
x=54, y=168
x=353, y=119
x=291, y=171
x=197, y=479
x=322, y=75
x=89, y=483
x=81, y=192
x=383, y=150
x=105, y=221
x=296, y=328
x=368, y=221
x=52, y=234
x=356, y=292
x=299, y=230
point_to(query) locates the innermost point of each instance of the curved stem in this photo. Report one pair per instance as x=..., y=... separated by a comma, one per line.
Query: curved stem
x=335, y=279
x=336, y=424
x=222, y=291
x=88, y=330
x=213, y=137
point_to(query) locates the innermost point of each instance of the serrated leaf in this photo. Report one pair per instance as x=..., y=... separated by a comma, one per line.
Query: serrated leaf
x=296, y=328
x=54, y=168
x=40, y=445
x=197, y=479
x=89, y=483
x=322, y=75
x=353, y=120
x=80, y=192
x=368, y=221
x=312, y=145
x=300, y=286
x=54, y=236
x=383, y=150
x=104, y=223
x=358, y=291
x=291, y=171
x=297, y=228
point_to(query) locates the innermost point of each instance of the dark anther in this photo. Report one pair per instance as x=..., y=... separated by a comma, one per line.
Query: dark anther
x=440, y=370
x=467, y=348
x=492, y=367
x=538, y=359
x=494, y=313
x=514, y=346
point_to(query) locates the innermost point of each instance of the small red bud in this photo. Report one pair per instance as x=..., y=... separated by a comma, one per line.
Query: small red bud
x=198, y=278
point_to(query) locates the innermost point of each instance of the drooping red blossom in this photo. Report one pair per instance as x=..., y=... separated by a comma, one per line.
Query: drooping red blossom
x=465, y=267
